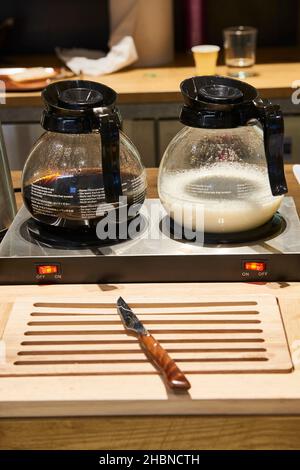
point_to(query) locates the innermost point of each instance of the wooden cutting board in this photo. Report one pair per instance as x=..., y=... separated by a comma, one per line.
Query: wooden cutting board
x=215, y=334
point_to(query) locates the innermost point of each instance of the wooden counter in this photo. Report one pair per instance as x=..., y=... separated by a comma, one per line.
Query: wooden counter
x=270, y=422
x=161, y=84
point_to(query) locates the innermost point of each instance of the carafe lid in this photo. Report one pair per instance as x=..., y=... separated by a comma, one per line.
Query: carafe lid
x=70, y=106
x=217, y=102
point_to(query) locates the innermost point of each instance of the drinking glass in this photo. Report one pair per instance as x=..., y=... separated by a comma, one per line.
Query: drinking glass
x=240, y=48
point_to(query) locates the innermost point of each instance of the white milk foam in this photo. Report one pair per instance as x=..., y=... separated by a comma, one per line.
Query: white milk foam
x=231, y=197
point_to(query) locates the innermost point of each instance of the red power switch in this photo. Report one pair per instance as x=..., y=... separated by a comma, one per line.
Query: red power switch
x=47, y=269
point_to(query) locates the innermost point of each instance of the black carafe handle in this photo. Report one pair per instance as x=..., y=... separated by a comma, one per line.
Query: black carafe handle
x=271, y=118
x=110, y=140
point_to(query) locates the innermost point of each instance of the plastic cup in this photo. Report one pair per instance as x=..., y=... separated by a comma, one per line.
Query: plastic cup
x=205, y=57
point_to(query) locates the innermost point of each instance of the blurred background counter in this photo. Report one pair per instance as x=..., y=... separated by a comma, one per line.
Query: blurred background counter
x=149, y=98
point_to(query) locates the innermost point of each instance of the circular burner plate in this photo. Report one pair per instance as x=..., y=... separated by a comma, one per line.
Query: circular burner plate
x=67, y=239
x=269, y=230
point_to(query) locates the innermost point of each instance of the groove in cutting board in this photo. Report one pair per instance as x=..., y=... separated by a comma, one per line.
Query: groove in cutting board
x=143, y=304
x=145, y=314
x=81, y=338
x=153, y=331
x=135, y=361
x=132, y=340
x=149, y=322
x=134, y=351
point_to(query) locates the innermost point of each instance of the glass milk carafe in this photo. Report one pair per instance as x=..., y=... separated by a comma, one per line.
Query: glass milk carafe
x=226, y=163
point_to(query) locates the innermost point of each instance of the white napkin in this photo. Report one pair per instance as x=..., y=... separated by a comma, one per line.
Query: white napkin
x=122, y=54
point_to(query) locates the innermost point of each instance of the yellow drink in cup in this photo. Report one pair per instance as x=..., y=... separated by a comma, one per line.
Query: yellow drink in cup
x=205, y=57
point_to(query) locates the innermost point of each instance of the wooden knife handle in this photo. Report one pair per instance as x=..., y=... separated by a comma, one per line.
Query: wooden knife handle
x=175, y=379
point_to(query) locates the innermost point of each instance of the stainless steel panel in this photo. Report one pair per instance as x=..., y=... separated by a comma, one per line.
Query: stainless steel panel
x=141, y=133
x=153, y=243
x=292, y=132
x=19, y=139
x=8, y=208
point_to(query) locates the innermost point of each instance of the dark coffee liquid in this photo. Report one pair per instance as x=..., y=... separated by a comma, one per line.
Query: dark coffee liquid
x=78, y=200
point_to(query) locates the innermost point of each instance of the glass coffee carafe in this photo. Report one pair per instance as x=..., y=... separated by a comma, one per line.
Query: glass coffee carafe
x=83, y=166
x=225, y=167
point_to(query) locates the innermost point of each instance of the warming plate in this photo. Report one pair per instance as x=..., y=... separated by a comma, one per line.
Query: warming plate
x=152, y=259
